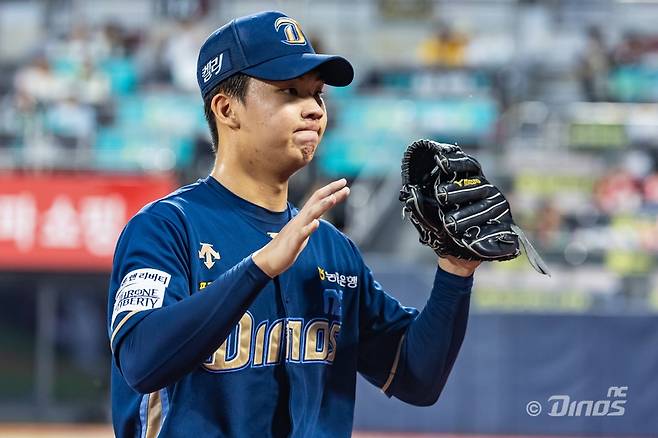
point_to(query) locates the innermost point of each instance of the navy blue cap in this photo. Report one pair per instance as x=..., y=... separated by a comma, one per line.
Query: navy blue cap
x=268, y=45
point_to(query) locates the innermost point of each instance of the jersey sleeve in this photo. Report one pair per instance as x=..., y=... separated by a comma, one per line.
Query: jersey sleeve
x=150, y=271
x=382, y=324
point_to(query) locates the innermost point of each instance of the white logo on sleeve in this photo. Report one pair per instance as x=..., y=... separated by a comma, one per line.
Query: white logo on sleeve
x=141, y=289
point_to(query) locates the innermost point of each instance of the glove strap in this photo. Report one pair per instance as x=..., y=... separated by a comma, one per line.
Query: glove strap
x=533, y=256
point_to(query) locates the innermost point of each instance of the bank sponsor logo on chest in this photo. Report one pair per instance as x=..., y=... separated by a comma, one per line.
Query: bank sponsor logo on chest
x=350, y=281
x=208, y=254
x=141, y=289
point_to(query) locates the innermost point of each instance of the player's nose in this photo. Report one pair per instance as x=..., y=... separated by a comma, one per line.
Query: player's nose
x=313, y=108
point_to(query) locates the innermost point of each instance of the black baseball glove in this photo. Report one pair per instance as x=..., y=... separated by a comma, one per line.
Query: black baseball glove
x=456, y=210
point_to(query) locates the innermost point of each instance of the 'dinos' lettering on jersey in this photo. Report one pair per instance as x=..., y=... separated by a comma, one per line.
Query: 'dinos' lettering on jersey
x=273, y=351
x=259, y=344
x=235, y=352
x=269, y=343
x=295, y=328
x=316, y=345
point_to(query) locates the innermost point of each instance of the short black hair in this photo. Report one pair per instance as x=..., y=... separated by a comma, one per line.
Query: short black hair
x=233, y=86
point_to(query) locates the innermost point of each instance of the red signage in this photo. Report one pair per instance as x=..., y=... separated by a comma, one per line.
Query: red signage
x=69, y=223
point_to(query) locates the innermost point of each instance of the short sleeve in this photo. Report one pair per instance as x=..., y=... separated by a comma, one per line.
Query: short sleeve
x=383, y=321
x=150, y=271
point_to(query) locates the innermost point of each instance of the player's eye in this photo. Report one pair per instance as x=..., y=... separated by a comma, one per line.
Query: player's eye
x=319, y=97
x=291, y=91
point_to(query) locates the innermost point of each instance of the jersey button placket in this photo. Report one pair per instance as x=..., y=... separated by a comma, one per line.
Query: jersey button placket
x=285, y=301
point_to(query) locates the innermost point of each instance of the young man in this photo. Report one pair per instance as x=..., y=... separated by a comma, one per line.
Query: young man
x=233, y=314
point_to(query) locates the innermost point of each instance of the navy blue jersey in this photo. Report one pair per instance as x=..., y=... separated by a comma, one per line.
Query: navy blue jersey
x=289, y=366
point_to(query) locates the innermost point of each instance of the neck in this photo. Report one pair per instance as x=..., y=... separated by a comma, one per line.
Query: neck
x=267, y=192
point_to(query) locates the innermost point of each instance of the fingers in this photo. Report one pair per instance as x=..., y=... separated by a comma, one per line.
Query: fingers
x=327, y=203
x=308, y=229
x=324, y=199
x=341, y=195
x=327, y=190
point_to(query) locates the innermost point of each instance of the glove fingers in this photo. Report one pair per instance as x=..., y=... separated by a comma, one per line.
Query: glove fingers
x=458, y=163
x=422, y=208
x=464, y=190
x=418, y=161
x=476, y=214
x=493, y=242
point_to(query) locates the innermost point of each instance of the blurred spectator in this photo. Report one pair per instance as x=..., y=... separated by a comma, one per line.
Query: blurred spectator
x=38, y=83
x=93, y=85
x=73, y=124
x=548, y=221
x=79, y=45
x=630, y=50
x=650, y=188
x=118, y=42
x=594, y=66
x=181, y=51
x=617, y=192
x=445, y=48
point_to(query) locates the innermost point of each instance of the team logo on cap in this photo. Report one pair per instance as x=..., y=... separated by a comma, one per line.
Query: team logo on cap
x=291, y=30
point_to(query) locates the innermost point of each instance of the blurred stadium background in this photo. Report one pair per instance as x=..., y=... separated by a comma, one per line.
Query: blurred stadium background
x=100, y=113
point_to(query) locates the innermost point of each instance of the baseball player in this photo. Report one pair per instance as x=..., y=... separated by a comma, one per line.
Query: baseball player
x=234, y=314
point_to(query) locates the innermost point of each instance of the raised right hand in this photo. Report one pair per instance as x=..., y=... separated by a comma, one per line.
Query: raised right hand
x=279, y=254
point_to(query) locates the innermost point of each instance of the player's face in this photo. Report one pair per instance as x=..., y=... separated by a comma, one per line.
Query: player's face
x=282, y=122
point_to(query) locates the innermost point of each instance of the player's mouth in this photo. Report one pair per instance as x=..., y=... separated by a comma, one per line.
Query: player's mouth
x=315, y=127
x=308, y=133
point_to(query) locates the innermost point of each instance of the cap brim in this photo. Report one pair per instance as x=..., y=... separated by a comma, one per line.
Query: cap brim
x=334, y=70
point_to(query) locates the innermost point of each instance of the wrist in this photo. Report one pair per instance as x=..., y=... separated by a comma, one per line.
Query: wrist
x=260, y=259
x=459, y=267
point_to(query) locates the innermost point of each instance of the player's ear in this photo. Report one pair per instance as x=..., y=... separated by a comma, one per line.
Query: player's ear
x=224, y=108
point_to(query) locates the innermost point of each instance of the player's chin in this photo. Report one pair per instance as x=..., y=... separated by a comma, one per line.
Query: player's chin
x=307, y=152
x=306, y=149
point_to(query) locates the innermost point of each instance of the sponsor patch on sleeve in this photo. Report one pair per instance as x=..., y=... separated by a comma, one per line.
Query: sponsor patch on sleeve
x=141, y=289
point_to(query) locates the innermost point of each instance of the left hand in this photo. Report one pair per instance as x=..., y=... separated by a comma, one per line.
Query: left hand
x=457, y=266
x=282, y=251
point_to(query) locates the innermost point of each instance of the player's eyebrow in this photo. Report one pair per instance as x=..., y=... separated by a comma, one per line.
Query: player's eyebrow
x=318, y=84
